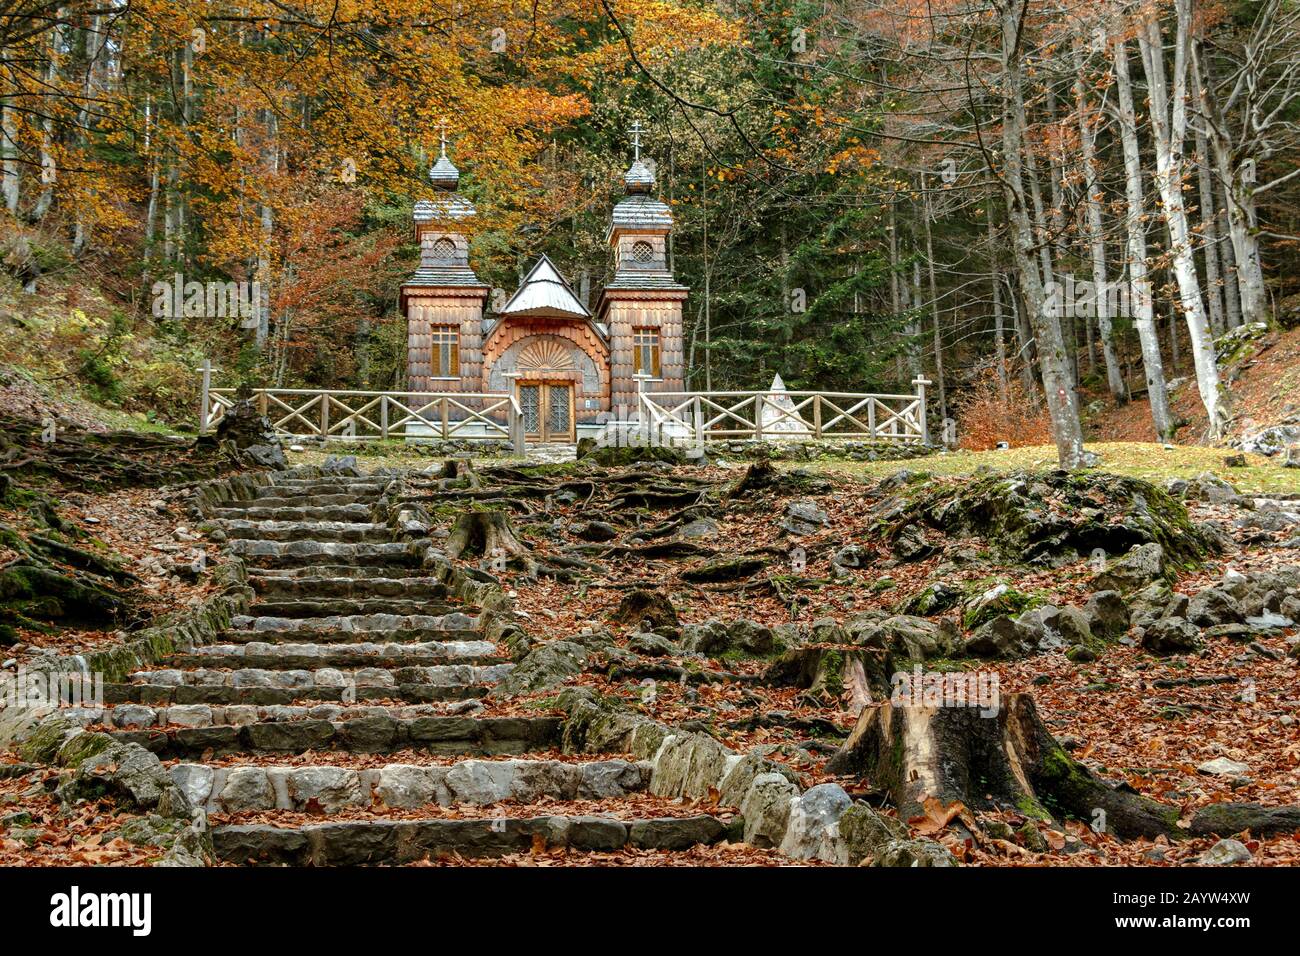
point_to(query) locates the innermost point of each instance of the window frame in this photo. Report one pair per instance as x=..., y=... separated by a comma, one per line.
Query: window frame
x=647, y=337
x=444, y=342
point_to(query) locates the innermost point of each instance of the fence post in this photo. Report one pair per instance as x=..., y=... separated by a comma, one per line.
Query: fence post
x=871, y=419
x=817, y=416
x=205, y=395
x=446, y=410
x=262, y=403
x=324, y=416
x=383, y=416
x=920, y=384
x=698, y=416
x=758, y=416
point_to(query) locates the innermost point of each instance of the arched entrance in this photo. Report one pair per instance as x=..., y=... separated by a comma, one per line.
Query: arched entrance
x=553, y=376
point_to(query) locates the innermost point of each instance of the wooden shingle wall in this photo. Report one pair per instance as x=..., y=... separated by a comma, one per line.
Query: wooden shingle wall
x=426, y=308
x=629, y=309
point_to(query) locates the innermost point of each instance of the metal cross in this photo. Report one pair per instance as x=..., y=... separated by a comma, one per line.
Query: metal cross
x=442, y=136
x=635, y=130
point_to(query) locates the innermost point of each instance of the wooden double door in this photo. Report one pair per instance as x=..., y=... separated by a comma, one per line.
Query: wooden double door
x=548, y=411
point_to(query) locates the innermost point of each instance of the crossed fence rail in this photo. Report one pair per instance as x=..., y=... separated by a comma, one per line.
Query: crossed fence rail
x=351, y=415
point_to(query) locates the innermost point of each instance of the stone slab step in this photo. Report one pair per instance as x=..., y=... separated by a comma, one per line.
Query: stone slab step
x=361, y=573
x=325, y=678
x=343, y=607
x=296, y=513
x=315, y=656
x=271, y=498
x=403, y=841
x=323, y=629
x=326, y=486
x=353, y=532
x=479, y=736
x=314, y=588
x=299, y=554
x=333, y=789
x=249, y=691
x=134, y=716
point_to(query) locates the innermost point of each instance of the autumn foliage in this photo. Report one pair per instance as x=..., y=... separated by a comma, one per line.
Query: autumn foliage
x=994, y=411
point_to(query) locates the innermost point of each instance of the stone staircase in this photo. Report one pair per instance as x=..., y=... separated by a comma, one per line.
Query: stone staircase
x=346, y=719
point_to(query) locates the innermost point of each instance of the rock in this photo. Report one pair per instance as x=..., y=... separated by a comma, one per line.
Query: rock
x=641, y=606
x=247, y=788
x=607, y=779
x=750, y=638
x=710, y=637
x=803, y=517
x=653, y=645
x=699, y=528
x=1057, y=627
x=1152, y=603
x=330, y=788
x=766, y=809
x=195, y=781
x=905, y=637
x=1171, y=635
x=812, y=831
x=1107, y=615
x=595, y=531
x=912, y=544
x=1080, y=654
x=742, y=773
x=543, y=668
x=130, y=775
x=865, y=833
x=1234, y=461
x=1142, y=565
x=1214, y=606
x=1225, y=853
x=687, y=765
x=723, y=570
x=914, y=853
x=934, y=599
x=1222, y=767
x=1210, y=488
x=407, y=786
x=1003, y=638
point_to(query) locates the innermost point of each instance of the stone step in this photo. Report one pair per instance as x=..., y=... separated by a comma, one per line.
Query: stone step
x=255, y=688
x=354, y=629
x=303, y=554
x=143, y=716
x=341, y=484
x=349, y=607
x=362, y=573
x=334, y=789
x=324, y=679
x=272, y=498
x=355, y=532
x=477, y=736
x=296, y=513
x=268, y=656
x=355, y=842
x=312, y=588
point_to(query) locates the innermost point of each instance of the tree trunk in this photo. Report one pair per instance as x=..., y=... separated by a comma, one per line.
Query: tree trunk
x=1061, y=401
x=940, y=384
x=1169, y=128
x=9, y=158
x=1140, y=295
x=1006, y=759
x=1096, y=236
x=484, y=534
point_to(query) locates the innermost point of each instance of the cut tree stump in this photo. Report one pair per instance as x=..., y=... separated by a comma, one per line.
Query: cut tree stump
x=1007, y=760
x=485, y=534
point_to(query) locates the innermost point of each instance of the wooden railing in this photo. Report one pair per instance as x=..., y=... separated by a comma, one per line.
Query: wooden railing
x=363, y=416
x=705, y=416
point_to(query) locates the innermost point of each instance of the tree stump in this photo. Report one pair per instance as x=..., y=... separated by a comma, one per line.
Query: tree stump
x=484, y=534
x=1007, y=759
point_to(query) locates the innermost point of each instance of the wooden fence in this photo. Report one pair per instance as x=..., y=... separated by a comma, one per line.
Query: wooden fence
x=363, y=416
x=705, y=416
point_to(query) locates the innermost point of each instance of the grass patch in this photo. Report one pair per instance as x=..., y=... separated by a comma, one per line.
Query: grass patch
x=1147, y=460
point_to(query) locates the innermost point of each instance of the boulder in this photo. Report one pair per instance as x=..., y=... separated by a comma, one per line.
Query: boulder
x=687, y=765
x=866, y=832
x=653, y=645
x=914, y=853
x=1171, y=635
x=1142, y=565
x=803, y=517
x=812, y=832
x=1107, y=615
x=329, y=788
x=1225, y=853
x=1214, y=606
x=766, y=809
x=905, y=637
x=407, y=786
x=543, y=668
x=132, y=777
x=1003, y=638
